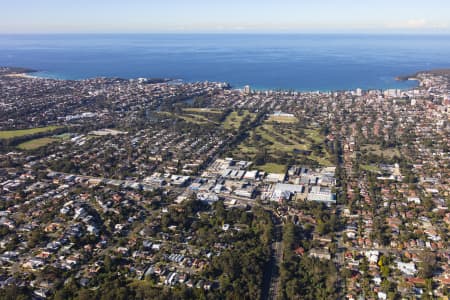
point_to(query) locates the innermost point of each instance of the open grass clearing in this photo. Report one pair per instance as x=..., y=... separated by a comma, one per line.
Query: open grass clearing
x=191, y=118
x=285, y=139
x=322, y=160
x=282, y=140
x=37, y=143
x=9, y=134
x=314, y=134
x=376, y=149
x=203, y=110
x=370, y=168
x=235, y=118
x=272, y=168
x=196, y=118
x=282, y=119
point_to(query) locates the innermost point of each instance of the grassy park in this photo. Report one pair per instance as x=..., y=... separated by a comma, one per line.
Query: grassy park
x=370, y=168
x=235, y=118
x=281, y=141
x=202, y=110
x=37, y=143
x=282, y=119
x=9, y=134
x=377, y=150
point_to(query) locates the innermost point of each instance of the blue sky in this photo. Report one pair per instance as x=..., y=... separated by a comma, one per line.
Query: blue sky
x=149, y=16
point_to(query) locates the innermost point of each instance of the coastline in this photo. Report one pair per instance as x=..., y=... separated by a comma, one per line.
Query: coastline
x=17, y=72
x=22, y=75
x=34, y=74
x=443, y=72
x=236, y=86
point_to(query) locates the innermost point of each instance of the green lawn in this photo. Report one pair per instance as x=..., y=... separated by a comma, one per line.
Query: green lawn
x=280, y=140
x=37, y=143
x=203, y=110
x=324, y=161
x=314, y=134
x=191, y=118
x=234, y=120
x=272, y=168
x=282, y=119
x=376, y=149
x=8, y=134
x=195, y=119
x=370, y=168
x=188, y=118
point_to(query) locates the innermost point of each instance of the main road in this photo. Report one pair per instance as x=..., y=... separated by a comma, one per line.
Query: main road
x=271, y=284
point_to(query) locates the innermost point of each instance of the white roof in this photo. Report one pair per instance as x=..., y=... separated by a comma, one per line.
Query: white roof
x=275, y=177
x=293, y=188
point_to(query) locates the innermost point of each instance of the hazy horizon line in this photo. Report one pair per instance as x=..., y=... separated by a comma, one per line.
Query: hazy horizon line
x=231, y=33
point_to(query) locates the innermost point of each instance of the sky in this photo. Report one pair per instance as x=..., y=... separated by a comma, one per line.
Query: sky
x=225, y=16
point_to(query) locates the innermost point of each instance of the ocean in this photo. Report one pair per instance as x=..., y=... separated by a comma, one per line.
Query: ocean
x=303, y=62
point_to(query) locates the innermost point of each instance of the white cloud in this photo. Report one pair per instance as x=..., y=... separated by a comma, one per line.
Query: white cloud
x=417, y=24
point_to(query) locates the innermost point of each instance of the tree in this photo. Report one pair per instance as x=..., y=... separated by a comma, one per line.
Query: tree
x=13, y=292
x=108, y=263
x=428, y=264
x=385, y=271
x=261, y=157
x=61, y=295
x=84, y=294
x=293, y=289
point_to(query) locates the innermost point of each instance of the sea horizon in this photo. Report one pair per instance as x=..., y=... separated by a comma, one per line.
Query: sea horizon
x=265, y=61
